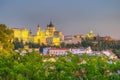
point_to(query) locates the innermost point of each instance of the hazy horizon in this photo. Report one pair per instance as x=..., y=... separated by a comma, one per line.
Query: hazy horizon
x=69, y=16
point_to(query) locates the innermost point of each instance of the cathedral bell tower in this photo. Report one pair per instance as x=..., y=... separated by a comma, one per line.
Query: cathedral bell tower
x=38, y=30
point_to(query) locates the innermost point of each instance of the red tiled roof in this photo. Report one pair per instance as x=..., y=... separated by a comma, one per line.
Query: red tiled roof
x=59, y=49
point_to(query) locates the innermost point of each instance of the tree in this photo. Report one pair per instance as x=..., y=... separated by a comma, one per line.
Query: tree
x=6, y=37
x=18, y=44
x=62, y=45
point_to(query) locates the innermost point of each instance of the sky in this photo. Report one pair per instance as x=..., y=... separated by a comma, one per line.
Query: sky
x=69, y=16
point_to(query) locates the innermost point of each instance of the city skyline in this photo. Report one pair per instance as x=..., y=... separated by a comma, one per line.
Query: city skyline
x=69, y=16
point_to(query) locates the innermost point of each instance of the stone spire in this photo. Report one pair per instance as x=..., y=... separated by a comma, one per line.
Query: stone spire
x=38, y=27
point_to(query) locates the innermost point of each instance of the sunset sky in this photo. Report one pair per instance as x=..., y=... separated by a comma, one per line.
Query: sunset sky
x=69, y=16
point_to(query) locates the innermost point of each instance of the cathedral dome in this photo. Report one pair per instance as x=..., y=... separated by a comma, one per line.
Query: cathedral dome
x=50, y=25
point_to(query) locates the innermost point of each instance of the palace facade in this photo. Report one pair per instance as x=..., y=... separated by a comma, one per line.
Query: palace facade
x=49, y=36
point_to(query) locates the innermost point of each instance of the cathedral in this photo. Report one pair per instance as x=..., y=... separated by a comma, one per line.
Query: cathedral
x=49, y=36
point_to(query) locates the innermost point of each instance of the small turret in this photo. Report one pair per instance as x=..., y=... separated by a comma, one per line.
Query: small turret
x=30, y=32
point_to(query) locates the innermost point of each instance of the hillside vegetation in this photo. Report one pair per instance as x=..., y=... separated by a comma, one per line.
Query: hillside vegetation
x=35, y=66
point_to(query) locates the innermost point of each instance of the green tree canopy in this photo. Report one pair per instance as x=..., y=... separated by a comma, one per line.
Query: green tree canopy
x=6, y=37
